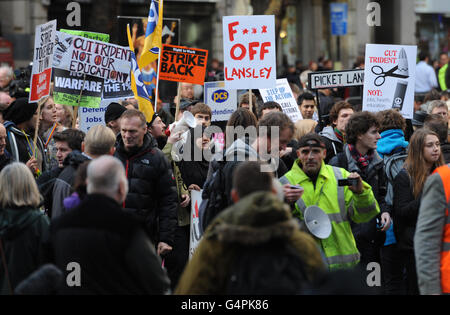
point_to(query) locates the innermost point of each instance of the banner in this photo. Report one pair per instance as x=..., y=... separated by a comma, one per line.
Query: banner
x=92, y=57
x=249, y=51
x=114, y=89
x=282, y=94
x=68, y=85
x=183, y=64
x=91, y=35
x=196, y=200
x=223, y=101
x=41, y=73
x=389, y=78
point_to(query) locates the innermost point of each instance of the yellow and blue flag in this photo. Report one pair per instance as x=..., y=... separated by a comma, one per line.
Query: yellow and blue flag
x=137, y=84
x=153, y=34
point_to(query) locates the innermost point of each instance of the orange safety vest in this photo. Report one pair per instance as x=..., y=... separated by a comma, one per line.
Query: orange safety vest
x=444, y=173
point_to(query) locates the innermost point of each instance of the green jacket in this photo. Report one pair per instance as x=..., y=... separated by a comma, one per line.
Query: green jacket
x=254, y=220
x=341, y=205
x=23, y=232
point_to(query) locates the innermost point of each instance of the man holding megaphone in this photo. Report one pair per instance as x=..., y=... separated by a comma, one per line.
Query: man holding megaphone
x=322, y=195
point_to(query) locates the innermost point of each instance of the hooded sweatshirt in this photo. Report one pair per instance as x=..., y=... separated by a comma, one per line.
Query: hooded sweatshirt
x=332, y=143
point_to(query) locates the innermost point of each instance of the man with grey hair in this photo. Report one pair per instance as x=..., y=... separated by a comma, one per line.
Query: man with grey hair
x=438, y=107
x=112, y=250
x=6, y=76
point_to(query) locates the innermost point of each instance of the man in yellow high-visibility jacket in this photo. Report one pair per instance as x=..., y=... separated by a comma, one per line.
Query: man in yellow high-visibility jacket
x=319, y=184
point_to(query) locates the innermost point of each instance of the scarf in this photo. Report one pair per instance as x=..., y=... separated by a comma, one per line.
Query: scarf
x=339, y=135
x=362, y=160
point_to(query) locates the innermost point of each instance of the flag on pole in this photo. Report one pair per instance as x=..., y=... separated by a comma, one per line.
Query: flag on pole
x=153, y=34
x=137, y=84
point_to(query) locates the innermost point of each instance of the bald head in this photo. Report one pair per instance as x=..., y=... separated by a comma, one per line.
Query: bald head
x=106, y=176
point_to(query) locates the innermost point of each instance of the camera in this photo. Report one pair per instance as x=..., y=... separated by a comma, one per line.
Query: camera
x=348, y=182
x=20, y=86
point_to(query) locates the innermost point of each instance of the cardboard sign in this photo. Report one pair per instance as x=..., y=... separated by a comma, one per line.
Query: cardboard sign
x=389, y=78
x=183, y=64
x=92, y=57
x=282, y=94
x=334, y=79
x=41, y=73
x=68, y=85
x=223, y=101
x=249, y=51
x=196, y=200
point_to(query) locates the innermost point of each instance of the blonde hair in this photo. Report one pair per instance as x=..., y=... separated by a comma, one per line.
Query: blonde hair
x=18, y=187
x=99, y=140
x=303, y=127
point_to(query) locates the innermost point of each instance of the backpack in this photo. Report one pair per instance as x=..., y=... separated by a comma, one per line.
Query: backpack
x=267, y=269
x=214, y=198
x=393, y=164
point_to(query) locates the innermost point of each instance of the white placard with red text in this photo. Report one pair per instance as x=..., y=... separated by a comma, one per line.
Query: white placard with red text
x=249, y=51
x=389, y=78
x=41, y=75
x=196, y=200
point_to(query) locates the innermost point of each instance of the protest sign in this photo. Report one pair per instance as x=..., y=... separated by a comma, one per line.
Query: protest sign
x=334, y=79
x=41, y=73
x=92, y=57
x=223, y=101
x=196, y=200
x=282, y=94
x=249, y=51
x=389, y=78
x=90, y=117
x=91, y=35
x=68, y=86
x=118, y=90
x=183, y=64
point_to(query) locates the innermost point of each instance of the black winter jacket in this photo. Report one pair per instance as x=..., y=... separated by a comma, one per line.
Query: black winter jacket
x=23, y=232
x=405, y=211
x=114, y=254
x=152, y=194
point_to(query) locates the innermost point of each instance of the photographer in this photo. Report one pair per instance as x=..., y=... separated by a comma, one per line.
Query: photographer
x=360, y=156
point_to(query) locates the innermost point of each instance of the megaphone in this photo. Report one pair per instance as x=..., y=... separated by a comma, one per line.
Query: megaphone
x=186, y=122
x=317, y=222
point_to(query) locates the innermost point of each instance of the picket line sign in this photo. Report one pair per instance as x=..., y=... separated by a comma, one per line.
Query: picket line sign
x=335, y=79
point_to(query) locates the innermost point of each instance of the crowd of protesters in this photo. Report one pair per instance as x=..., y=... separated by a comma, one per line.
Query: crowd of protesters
x=117, y=199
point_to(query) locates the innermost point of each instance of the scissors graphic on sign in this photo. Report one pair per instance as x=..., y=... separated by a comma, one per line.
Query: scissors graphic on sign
x=381, y=75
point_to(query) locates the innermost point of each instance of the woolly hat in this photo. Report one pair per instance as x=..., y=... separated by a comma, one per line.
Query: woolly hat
x=20, y=111
x=113, y=111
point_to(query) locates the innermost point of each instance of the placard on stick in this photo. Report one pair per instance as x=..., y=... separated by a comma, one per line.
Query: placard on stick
x=183, y=64
x=249, y=51
x=41, y=74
